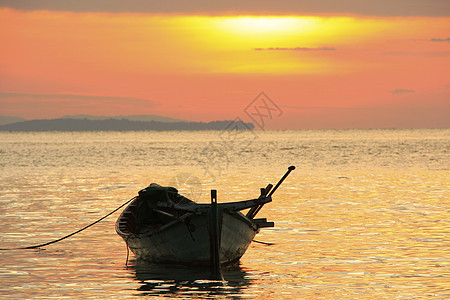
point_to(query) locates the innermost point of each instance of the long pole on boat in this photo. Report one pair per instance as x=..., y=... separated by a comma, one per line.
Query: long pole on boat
x=254, y=210
x=290, y=169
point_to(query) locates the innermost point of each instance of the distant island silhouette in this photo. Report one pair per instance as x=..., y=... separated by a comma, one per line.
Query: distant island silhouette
x=84, y=124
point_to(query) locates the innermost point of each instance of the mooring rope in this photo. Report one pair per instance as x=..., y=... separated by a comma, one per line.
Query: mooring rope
x=73, y=233
x=265, y=243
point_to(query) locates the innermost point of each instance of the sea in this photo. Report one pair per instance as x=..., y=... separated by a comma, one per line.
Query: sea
x=365, y=214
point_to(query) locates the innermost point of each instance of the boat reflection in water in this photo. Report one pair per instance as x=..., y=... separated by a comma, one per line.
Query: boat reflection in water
x=182, y=281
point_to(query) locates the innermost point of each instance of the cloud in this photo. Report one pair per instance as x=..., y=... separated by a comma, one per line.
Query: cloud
x=81, y=99
x=299, y=107
x=32, y=106
x=297, y=49
x=440, y=40
x=432, y=8
x=402, y=91
x=418, y=53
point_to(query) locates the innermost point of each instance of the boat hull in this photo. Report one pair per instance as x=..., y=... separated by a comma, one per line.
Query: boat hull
x=187, y=241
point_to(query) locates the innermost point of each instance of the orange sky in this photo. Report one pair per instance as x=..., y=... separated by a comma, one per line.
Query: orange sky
x=322, y=71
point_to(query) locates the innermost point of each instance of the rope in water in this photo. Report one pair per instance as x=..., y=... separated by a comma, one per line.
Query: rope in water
x=73, y=233
x=264, y=243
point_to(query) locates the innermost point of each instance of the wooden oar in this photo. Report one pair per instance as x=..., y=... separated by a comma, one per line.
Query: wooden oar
x=169, y=215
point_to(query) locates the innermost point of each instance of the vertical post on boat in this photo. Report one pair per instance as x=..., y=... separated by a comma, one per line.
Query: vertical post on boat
x=214, y=235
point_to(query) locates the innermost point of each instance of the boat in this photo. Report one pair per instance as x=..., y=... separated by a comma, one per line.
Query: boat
x=163, y=227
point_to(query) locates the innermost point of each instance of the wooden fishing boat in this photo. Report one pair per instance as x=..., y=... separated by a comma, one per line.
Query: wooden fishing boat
x=162, y=226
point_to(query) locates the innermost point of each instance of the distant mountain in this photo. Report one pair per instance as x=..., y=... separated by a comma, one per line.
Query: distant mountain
x=8, y=120
x=144, y=118
x=120, y=125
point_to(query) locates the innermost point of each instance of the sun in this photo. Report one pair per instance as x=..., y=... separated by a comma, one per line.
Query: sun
x=256, y=25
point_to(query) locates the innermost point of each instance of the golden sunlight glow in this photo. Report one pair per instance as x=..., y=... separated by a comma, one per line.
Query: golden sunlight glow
x=200, y=44
x=233, y=44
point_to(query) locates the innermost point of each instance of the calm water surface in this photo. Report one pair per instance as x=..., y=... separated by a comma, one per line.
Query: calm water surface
x=366, y=214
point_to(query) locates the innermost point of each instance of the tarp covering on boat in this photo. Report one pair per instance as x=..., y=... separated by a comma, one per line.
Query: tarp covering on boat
x=148, y=199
